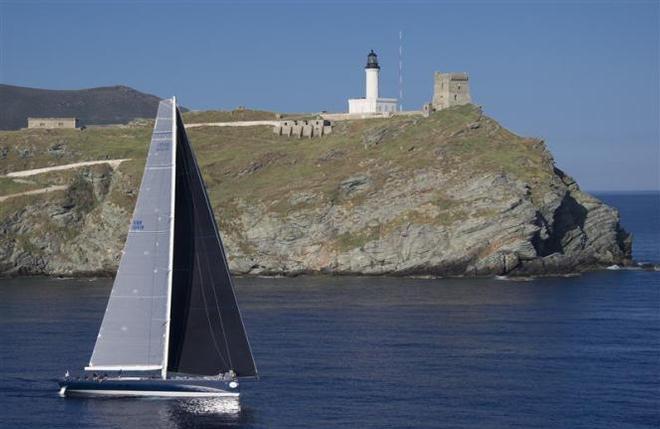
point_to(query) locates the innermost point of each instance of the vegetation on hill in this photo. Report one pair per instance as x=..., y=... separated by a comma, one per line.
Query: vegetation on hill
x=257, y=165
x=239, y=114
x=451, y=194
x=208, y=116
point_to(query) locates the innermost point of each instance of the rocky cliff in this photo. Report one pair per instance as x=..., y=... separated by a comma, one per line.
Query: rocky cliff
x=450, y=195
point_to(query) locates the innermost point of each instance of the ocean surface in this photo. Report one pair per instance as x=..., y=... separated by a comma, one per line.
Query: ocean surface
x=578, y=352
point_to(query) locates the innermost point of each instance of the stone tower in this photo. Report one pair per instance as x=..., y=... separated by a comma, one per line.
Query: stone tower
x=451, y=89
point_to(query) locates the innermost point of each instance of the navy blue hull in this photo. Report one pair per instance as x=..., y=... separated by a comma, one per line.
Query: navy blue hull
x=136, y=387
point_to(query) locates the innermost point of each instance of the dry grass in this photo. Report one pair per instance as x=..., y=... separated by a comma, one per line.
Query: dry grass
x=255, y=165
x=227, y=116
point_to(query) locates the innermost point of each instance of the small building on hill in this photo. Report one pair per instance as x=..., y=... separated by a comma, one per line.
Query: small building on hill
x=451, y=89
x=303, y=128
x=53, y=123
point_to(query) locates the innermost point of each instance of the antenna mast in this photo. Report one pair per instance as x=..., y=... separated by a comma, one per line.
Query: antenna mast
x=401, y=70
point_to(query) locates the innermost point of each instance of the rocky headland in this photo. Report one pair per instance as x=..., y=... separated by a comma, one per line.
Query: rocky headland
x=454, y=194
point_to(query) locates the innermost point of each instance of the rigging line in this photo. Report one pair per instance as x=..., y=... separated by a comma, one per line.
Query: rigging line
x=206, y=311
x=190, y=163
x=226, y=267
x=231, y=289
x=203, y=293
x=199, y=270
x=217, y=307
x=222, y=323
x=212, y=282
x=197, y=173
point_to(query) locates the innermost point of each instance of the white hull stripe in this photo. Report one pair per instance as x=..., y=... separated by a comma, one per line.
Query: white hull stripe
x=123, y=367
x=170, y=394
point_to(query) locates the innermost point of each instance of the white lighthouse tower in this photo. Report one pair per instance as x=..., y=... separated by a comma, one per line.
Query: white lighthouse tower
x=372, y=103
x=372, y=70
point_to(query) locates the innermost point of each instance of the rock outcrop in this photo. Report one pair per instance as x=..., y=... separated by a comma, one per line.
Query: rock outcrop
x=489, y=226
x=438, y=196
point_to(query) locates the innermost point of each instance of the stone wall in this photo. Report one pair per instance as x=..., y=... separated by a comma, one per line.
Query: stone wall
x=451, y=89
x=303, y=128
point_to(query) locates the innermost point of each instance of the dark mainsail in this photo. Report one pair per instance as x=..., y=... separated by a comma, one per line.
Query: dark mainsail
x=206, y=334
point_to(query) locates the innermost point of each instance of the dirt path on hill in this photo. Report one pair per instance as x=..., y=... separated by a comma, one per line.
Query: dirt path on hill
x=35, y=191
x=232, y=124
x=114, y=163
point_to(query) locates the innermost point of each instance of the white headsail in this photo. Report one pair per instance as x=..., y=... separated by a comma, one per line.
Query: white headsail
x=134, y=332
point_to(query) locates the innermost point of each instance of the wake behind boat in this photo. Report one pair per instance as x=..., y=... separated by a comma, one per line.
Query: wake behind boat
x=172, y=327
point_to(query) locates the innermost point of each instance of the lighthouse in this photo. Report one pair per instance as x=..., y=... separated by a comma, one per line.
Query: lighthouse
x=371, y=103
x=372, y=70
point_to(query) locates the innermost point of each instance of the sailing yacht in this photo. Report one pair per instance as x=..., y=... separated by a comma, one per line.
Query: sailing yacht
x=172, y=326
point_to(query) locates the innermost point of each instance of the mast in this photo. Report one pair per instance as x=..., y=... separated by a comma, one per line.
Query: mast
x=166, y=342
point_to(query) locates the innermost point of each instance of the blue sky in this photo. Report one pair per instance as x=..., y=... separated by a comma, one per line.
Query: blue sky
x=581, y=75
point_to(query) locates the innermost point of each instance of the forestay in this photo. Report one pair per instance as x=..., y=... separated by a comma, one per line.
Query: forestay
x=134, y=329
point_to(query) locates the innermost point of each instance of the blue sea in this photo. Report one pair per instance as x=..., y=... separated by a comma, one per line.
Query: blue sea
x=570, y=353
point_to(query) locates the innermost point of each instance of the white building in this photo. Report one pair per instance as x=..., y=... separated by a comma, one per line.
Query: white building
x=372, y=103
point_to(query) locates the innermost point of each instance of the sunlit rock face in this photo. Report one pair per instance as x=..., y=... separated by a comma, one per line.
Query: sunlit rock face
x=452, y=194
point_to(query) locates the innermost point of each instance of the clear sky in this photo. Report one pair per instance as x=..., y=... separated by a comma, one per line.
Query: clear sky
x=581, y=75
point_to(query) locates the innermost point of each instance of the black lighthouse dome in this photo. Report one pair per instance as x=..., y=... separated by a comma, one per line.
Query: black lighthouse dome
x=372, y=60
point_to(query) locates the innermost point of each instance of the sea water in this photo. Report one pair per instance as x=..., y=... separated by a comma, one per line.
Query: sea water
x=577, y=352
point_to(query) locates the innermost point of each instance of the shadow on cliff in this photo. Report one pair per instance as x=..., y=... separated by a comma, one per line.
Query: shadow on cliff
x=566, y=235
x=567, y=218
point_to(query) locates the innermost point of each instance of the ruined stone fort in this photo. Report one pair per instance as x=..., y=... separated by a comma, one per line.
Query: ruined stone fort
x=303, y=128
x=450, y=89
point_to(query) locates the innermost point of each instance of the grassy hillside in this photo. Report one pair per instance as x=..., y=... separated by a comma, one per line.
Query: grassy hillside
x=452, y=193
x=227, y=116
x=241, y=114
x=254, y=164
